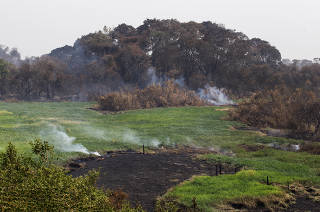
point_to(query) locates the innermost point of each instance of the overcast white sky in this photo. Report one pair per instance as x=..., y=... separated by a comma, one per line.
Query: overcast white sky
x=36, y=27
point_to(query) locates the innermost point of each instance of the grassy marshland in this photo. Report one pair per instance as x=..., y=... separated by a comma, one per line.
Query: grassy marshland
x=199, y=126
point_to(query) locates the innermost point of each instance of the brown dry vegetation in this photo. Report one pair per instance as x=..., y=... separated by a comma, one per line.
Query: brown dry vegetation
x=312, y=148
x=269, y=203
x=156, y=95
x=282, y=108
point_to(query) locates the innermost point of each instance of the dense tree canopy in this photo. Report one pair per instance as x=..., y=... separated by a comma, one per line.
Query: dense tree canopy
x=199, y=53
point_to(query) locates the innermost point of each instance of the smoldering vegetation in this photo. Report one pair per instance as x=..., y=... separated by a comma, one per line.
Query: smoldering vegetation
x=59, y=138
x=294, y=110
x=195, y=55
x=214, y=96
x=125, y=136
x=167, y=95
x=63, y=140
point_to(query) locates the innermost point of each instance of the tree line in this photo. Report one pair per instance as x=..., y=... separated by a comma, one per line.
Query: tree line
x=110, y=59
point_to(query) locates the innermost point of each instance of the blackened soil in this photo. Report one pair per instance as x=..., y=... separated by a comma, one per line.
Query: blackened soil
x=304, y=204
x=146, y=177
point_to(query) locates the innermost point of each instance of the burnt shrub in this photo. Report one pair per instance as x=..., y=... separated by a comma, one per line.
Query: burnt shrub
x=117, y=199
x=312, y=148
x=167, y=95
x=296, y=110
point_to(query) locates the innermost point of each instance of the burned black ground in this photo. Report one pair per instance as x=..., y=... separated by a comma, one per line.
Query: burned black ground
x=145, y=177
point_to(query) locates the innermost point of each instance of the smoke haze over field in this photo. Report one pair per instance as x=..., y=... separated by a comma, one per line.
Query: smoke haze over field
x=59, y=138
x=119, y=135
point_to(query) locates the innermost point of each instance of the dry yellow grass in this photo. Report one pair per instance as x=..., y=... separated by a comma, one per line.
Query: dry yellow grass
x=4, y=112
x=270, y=202
x=223, y=109
x=62, y=121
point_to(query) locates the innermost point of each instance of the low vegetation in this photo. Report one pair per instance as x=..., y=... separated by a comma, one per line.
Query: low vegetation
x=288, y=174
x=283, y=166
x=200, y=126
x=244, y=190
x=33, y=184
x=167, y=95
x=282, y=108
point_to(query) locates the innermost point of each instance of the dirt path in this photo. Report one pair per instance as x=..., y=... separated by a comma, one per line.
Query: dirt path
x=146, y=177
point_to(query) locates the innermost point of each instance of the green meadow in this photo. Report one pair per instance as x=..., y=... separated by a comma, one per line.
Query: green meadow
x=198, y=126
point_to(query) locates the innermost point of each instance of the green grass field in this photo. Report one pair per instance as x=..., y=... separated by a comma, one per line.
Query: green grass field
x=199, y=126
x=212, y=191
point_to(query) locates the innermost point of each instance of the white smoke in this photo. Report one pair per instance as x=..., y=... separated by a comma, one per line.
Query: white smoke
x=180, y=81
x=121, y=134
x=130, y=137
x=153, y=78
x=214, y=96
x=57, y=136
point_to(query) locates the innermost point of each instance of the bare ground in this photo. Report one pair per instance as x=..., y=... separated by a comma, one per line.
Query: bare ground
x=145, y=177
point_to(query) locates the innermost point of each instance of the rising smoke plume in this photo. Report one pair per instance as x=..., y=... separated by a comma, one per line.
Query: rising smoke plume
x=153, y=78
x=57, y=136
x=214, y=96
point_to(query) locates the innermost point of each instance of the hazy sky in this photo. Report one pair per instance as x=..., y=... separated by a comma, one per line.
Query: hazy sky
x=36, y=27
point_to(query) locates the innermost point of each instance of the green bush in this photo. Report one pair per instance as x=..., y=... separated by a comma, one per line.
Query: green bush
x=28, y=184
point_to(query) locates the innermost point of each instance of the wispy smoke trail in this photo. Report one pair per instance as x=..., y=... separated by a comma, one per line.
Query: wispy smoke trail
x=153, y=78
x=57, y=136
x=122, y=134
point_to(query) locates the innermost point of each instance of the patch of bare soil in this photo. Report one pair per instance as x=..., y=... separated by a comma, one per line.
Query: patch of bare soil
x=252, y=147
x=145, y=176
x=307, y=198
x=304, y=204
